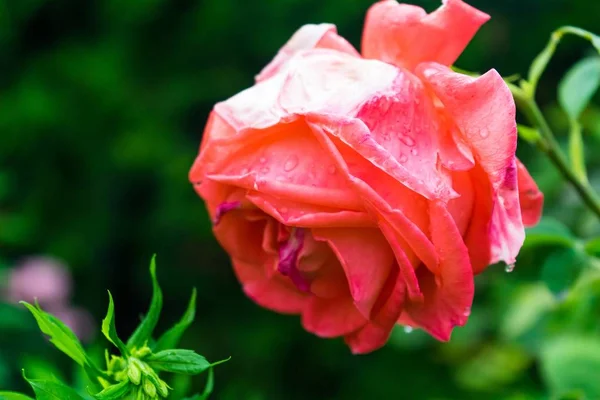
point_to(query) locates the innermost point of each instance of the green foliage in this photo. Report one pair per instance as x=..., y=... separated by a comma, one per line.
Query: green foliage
x=571, y=363
x=109, y=329
x=170, y=338
x=52, y=390
x=144, y=331
x=136, y=371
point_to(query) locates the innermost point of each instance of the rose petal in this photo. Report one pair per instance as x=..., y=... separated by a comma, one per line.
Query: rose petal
x=405, y=35
x=277, y=292
x=447, y=298
x=307, y=37
x=366, y=259
x=484, y=111
x=331, y=317
x=530, y=197
x=376, y=332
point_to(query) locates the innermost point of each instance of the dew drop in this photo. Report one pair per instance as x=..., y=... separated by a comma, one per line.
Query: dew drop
x=244, y=171
x=484, y=132
x=331, y=169
x=262, y=160
x=284, y=210
x=255, y=186
x=509, y=268
x=265, y=170
x=403, y=158
x=280, y=178
x=407, y=140
x=414, y=152
x=408, y=329
x=467, y=312
x=291, y=163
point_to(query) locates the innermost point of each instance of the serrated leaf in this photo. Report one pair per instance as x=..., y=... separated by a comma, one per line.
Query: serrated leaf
x=60, y=335
x=114, y=392
x=109, y=329
x=13, y=396
x=179, y=361
x=52, y=390
x=548, y=232
x=208, y=388
x=144, y=331
x=578, y=86
x=571, y=363
x=170, y=338
x=561, y=269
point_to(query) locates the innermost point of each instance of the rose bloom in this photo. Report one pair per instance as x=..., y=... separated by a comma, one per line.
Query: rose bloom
x=365, y=190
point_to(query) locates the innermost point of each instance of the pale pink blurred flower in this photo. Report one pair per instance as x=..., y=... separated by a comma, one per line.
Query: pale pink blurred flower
x=43, y=278
x=48, y=281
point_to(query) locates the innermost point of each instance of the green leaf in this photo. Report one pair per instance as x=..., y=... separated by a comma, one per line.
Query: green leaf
x=52, y=390
x=548, y=232
x=170, y=338
x=60, y=335
x=179, y=361
x=539, y=63
x=592, y=247
x=578, y=86
x=561, y=269
x=208, y=388
x=571, y=363
x=576, y=151
x=114, y=392
x=13, y=396
x=526, y=308
x=529, y=134
x=144, y=331
x=108, y=327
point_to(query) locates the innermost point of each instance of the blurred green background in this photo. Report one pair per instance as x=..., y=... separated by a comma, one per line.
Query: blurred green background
x=102, y=106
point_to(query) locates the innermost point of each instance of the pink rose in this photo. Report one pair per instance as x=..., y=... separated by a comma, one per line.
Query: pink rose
x=365, y=191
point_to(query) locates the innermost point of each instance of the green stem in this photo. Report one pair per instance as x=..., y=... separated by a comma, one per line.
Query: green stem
x=550, y=146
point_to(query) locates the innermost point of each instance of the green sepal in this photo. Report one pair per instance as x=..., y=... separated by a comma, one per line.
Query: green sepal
x=109, y=330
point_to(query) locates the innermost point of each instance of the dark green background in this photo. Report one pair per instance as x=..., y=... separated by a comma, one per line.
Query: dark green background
x=102, y=106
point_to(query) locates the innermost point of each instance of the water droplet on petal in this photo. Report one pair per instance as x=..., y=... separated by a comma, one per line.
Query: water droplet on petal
x=509, y=268
x=408, y=329
x=484, y=132
x=403, y=158
x=407, y=140
x=264, y=170
x=262, y=160
x=331, y=169
x=414, y=152
x=291, y=163
x=244, y=171
x=467, y=312
x=280, y=178
x=255, y=186
x=284, y=210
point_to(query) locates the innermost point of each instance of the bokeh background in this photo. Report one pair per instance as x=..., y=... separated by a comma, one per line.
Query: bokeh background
x=102, y=107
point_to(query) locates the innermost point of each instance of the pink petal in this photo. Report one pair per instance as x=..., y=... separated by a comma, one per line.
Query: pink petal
x=307, y=37
x=366, y=259
x=377, y=331
x=277, y=292
x=295, y=213
x=385, y=197
x=484, y=111
x=449, y=296
x=530, y=197
x=405, y=35
x=331, y=317
x=289, y=252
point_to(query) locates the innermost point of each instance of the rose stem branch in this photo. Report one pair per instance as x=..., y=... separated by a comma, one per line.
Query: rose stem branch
x=549, y=145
